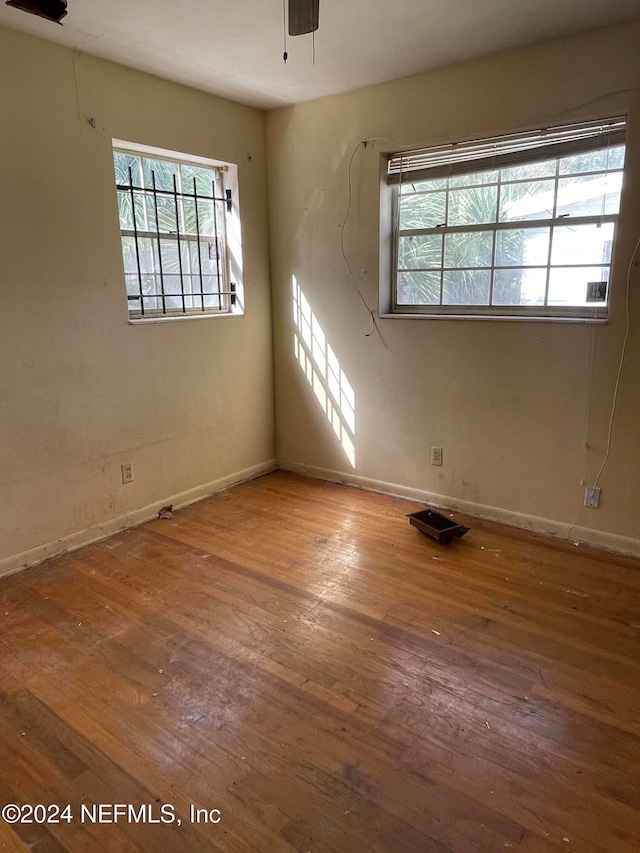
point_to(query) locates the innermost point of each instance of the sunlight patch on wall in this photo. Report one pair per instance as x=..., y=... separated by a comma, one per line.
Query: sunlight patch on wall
x=324, y=374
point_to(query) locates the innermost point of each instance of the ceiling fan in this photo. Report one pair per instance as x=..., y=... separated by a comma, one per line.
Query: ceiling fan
x=303, y=16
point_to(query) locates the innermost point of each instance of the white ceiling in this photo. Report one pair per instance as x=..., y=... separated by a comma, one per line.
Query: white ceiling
x=234, y=47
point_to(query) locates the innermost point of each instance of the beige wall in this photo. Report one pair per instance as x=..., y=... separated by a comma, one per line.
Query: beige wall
x=189, y=403
x=508, y=401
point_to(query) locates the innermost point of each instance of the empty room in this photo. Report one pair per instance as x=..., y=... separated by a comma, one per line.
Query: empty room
x=319, y=405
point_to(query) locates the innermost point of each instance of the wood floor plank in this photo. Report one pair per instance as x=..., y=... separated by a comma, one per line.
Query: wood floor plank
x=295, y=654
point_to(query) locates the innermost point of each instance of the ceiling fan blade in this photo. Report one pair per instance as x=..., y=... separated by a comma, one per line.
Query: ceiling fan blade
x=303, y=16
x=52, y=10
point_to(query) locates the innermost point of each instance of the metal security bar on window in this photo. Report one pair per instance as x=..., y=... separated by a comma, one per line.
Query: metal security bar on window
x=172, y=222
x=520, y=232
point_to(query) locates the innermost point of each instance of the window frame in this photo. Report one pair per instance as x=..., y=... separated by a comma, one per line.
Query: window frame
x=391, y=233
x=226, y=219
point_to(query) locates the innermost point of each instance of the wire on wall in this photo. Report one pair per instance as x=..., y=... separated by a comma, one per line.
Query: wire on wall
x=344, y=254
x=595, y=100
x=623, y=353
x=363, y=144
x=587, y=412
x=74, y=55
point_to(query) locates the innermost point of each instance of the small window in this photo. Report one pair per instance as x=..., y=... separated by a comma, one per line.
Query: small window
x=520, y=225
x=175, y=217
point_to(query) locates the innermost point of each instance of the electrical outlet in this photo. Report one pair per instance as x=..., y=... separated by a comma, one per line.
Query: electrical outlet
x=592, y=497
x=436, y=456
x=127, y=472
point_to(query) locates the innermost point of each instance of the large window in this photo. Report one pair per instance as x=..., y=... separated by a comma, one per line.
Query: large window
x=519, y=225
x=175, y=215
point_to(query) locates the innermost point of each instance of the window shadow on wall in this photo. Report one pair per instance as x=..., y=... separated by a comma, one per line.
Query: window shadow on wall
x=323, y=372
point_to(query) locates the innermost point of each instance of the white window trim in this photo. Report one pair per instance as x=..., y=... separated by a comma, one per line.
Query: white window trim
x=232, y=239
x=434, y=164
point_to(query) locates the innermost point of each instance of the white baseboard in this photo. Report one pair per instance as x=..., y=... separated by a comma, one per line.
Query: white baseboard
x=559, y=529
x=73, y=541
x=78, y=539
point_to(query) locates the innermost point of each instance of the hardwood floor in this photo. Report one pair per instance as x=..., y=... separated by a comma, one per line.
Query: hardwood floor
x=294, y=654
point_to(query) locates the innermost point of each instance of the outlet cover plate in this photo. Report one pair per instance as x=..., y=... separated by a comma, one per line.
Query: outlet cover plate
x=592, y=497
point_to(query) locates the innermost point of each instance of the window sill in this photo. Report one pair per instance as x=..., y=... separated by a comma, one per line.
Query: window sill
x=148, y=321
x=518, y=318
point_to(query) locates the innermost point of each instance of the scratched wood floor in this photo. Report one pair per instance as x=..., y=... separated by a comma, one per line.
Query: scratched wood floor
x=294, y=654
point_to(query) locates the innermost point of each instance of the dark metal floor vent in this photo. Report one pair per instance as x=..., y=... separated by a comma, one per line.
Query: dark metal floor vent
x=438, y=526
